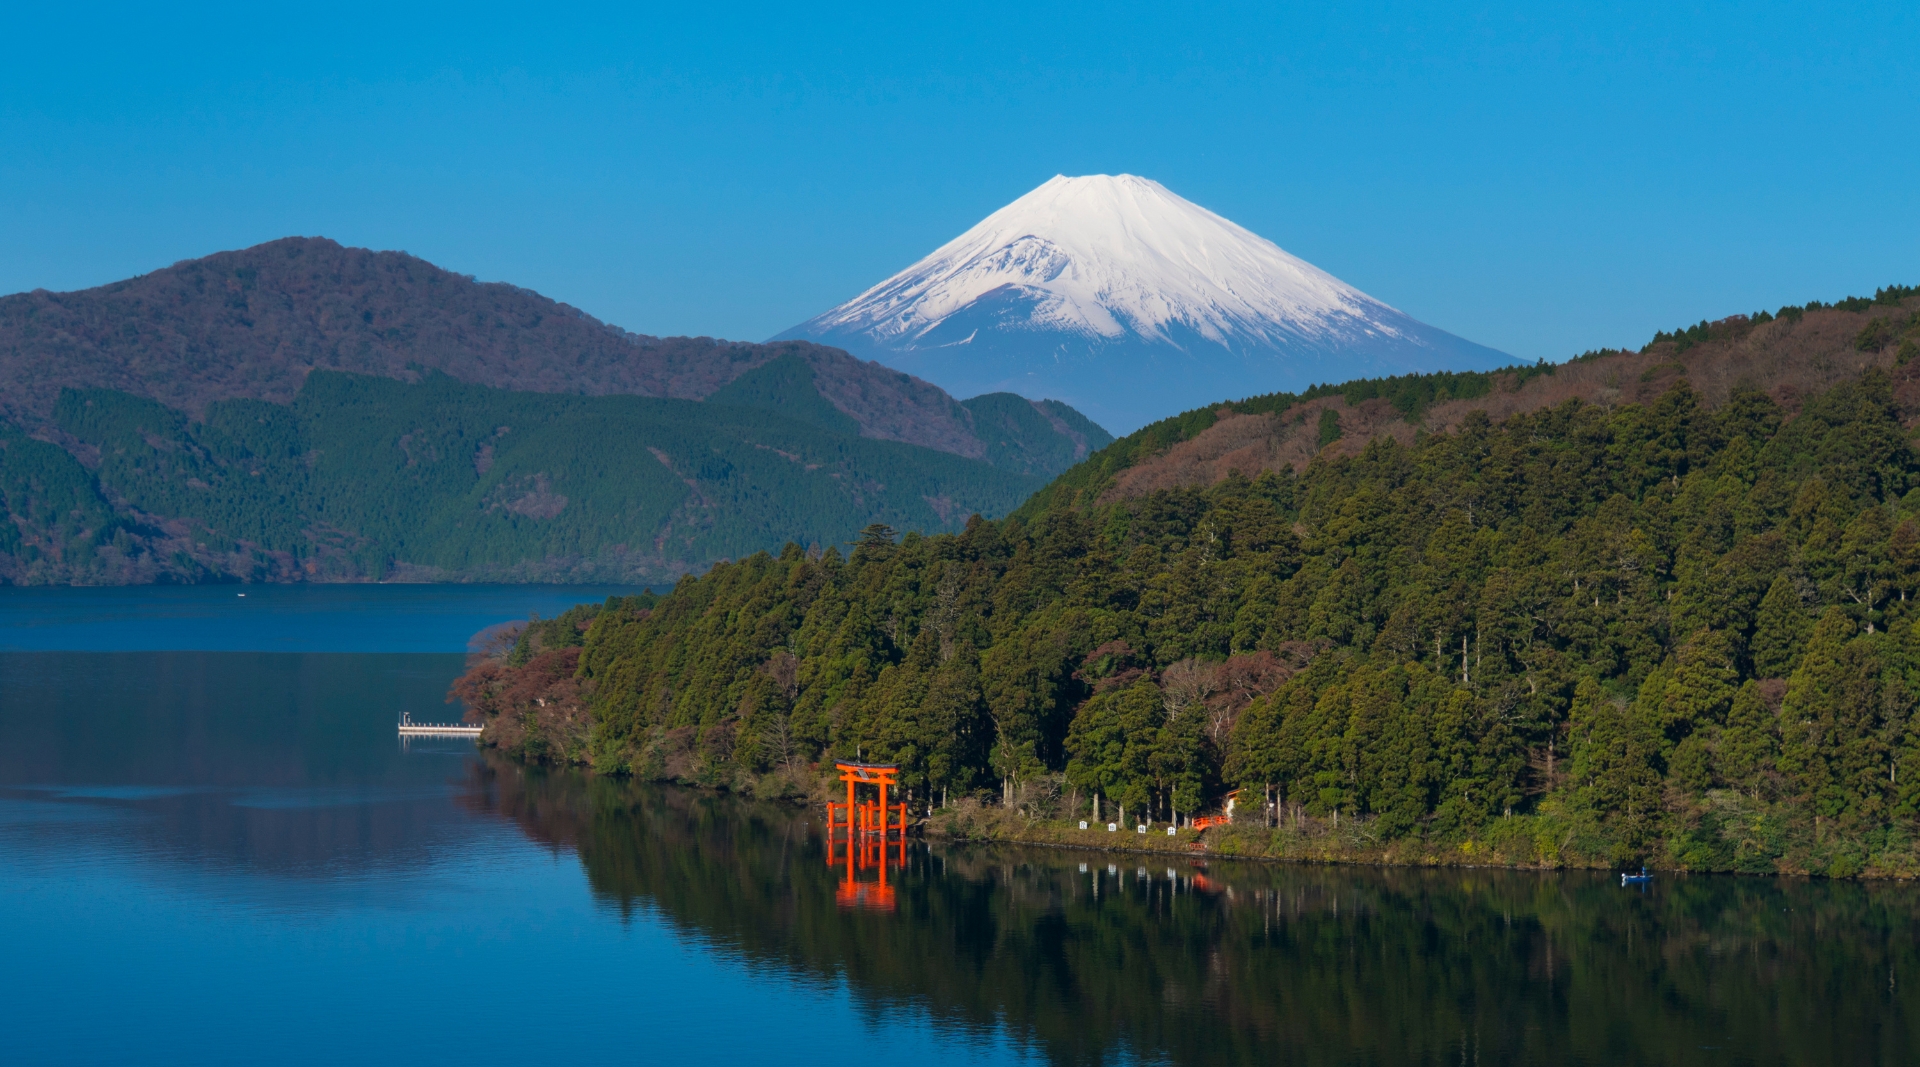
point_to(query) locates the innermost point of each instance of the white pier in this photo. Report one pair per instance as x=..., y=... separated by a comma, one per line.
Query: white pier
x=409, y=728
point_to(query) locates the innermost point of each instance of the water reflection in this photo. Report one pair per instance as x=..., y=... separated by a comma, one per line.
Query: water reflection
x=271, y=763
x=215, y=768
x=866, y=861
x=1091, y=956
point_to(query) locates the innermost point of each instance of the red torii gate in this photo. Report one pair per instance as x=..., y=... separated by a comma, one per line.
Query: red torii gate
x=875, y=818
x=867, y=827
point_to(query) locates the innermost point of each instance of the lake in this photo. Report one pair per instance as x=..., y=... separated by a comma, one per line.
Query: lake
x=214, y=849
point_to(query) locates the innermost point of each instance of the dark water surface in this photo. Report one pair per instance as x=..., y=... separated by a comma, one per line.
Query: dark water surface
x=274, y=618
x=228, y=857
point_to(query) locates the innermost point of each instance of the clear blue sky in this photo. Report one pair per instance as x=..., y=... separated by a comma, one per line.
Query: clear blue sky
x=1543, y=181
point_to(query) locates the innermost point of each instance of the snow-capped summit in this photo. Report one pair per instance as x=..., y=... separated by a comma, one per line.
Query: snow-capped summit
x=1131, y=304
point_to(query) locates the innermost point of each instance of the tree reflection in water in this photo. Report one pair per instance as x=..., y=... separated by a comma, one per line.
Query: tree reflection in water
x=1095, y=956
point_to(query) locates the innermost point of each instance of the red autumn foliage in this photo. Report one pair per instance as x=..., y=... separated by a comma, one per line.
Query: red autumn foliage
x=1224, y=689
x=1114, y=665
x=531, y=709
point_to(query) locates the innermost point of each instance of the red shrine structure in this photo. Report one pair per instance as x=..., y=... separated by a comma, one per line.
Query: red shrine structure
x=861, y=833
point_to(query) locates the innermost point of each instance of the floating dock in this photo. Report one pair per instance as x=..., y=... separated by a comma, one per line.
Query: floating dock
x=409, y=728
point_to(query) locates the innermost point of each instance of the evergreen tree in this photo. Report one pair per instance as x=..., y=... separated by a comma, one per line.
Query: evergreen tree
x=1701, y=687
x=1113, y=741
x=1779, y=631
x=1832, y=743
x=1613, y=767
x=1329, y=427
x=1749, y=745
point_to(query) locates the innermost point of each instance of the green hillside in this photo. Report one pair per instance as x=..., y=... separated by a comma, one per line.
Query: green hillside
x=371, y=477
x=1040, y=438
x=51, y=511
x=254, y=323
x=1591, y=631
x=786, y=387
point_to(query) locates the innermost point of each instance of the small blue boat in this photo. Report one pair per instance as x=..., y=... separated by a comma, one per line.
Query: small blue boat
x=1635, y=879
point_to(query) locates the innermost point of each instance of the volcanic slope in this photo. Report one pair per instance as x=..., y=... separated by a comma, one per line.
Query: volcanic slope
x=1129, y=303
x=253, y=323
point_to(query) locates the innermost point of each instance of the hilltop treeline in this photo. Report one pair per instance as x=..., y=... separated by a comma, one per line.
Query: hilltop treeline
x=1891, y=296
x=1407, y=394
x=1659, y=631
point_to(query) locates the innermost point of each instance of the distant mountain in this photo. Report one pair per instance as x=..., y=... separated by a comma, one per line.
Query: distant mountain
x=299, y=410
x=1131, y=304
x=253, y=323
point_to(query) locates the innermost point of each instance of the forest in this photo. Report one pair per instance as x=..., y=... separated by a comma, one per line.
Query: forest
x=366, y=477
x=1666, y=632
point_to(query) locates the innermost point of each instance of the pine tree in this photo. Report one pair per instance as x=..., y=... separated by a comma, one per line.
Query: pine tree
x=1749, y=744
x=1779, y=631
x=1329, y=430
x=1812, y=711
x=1613, y=769
x=1701, y=686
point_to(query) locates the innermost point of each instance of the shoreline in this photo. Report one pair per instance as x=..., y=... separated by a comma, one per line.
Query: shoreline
x=1208, y=844
x=1318, y=842
x=1795, y=845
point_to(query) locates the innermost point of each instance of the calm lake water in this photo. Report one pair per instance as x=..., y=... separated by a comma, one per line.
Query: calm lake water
x=274, y=618
x=228, y=857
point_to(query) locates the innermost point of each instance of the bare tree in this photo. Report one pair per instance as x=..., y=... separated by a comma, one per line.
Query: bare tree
x=783, y=668
x=1187, y=684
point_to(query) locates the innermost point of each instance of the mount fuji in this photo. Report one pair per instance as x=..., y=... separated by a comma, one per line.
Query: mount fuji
x=1131, y=304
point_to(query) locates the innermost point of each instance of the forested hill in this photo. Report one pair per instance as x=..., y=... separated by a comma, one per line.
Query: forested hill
x=1788, y=354
x=1655, y=605
x=251, y=324
x=366, y=477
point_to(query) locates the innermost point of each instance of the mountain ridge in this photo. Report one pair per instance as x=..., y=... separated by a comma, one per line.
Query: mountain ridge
x=251, y=323
x=204, y=422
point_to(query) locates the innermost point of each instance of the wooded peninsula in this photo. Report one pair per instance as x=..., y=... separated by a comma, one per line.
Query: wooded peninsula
x=1653, y=606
